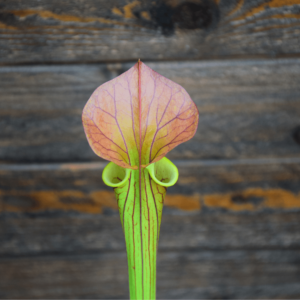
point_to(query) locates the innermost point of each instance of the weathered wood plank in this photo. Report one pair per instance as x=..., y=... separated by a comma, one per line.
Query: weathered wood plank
x=62, y=233
x=207, y=186
x=248, y=108
x=188, y=274
x=52, y=31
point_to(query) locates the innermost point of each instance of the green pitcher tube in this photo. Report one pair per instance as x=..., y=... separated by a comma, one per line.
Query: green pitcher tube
x=140, y=200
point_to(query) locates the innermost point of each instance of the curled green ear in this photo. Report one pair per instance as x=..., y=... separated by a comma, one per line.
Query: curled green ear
x=114, y=175
x=163, y=172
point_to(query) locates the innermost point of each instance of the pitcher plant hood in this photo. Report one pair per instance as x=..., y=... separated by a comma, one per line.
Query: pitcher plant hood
x=138, y=117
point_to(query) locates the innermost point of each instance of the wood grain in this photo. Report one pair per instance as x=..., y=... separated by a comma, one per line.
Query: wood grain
x=42, y=31
x=248, y=109
x=69, y=233
x=214, y=252
x=233, y=274
x=235, y=186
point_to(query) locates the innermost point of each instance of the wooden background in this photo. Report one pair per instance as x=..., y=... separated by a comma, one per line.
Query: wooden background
x=231, y=225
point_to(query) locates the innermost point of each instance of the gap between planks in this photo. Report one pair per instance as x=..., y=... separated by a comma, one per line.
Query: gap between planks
x=99, y=253
x=176, y=63
x=178, y=163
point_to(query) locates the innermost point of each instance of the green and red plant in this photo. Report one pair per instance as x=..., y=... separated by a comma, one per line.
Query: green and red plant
x=133, y=121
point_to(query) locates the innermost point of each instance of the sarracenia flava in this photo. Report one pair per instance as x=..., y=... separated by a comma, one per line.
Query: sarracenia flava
x=133, y=121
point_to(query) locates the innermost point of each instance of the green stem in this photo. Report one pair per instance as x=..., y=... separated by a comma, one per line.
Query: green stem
x=140, y=195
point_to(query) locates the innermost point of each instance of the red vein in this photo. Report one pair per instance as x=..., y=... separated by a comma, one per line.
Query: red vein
x=148, y=227
x=132, y=113
x=97, y=142
x=126, y=200
x=119, y=125
x=133, y=233
x=106, y=112
x=177, y=117
x=159, y=128
x=150, y=180
x=172, y=141
x=167, y=107
x=149, y=109
x=140, y=163
x=162, y=194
